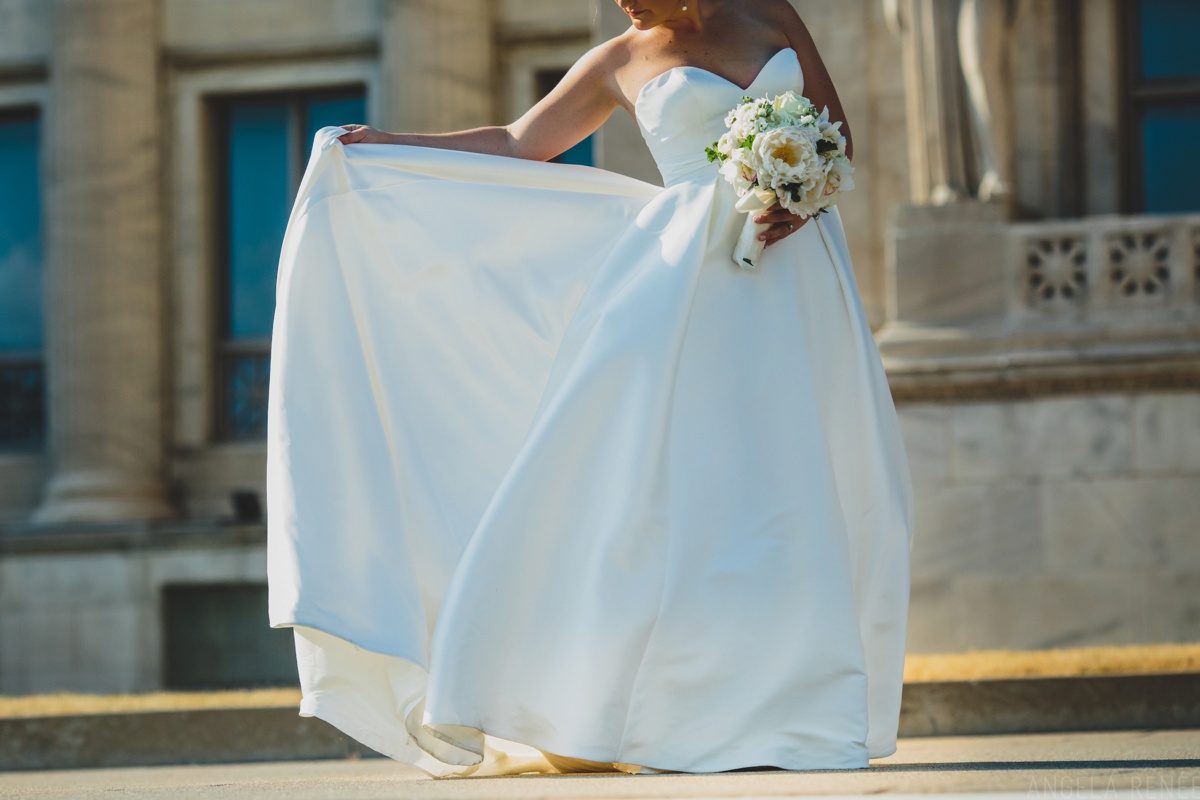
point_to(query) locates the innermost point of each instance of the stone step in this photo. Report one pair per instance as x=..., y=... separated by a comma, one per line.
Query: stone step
x=943, y=708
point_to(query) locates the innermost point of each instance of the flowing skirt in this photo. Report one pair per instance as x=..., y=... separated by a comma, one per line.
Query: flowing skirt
x=548, y=474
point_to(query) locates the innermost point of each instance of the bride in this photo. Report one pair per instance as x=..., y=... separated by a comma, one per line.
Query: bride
x=552, y=484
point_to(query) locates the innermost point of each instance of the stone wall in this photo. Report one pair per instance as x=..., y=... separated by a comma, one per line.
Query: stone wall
x=1055, y=521
x=83, y=611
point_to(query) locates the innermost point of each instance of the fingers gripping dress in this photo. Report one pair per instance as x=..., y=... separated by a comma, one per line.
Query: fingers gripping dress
x=565, y=480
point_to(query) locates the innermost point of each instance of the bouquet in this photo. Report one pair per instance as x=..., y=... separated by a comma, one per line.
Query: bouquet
x=780, y=150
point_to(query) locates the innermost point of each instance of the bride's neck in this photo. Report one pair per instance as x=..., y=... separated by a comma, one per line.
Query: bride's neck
x=697, y=18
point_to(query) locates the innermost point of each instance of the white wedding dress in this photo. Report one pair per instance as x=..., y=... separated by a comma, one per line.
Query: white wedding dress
x=548, y=473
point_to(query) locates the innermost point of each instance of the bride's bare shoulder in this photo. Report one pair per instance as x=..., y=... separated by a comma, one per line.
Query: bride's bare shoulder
x=625, y=62
x=600, y=65
x=622, y=50
x=768, y=20
x=774, y=10
x=781, y=16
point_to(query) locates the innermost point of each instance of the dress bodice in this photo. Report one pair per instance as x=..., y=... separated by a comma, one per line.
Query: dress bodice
x=682, y=111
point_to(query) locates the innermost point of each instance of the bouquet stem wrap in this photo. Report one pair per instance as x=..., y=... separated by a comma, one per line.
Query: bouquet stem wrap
x=749, y=248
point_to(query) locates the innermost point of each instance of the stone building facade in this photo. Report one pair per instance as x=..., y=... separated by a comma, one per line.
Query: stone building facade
x=1026, y=240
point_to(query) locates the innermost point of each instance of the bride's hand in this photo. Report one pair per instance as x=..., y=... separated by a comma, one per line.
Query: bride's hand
x=783, y=223
x=363, y=134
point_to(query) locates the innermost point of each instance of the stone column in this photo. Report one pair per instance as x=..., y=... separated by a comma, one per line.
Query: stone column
x=959, y=88
x=437, y=65
x=938, y=136
x=104, y=294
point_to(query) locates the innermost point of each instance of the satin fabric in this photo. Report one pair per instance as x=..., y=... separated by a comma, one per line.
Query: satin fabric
x=549, y=478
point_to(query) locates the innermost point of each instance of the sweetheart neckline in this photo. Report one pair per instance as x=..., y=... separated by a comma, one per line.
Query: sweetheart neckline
x=722, y=78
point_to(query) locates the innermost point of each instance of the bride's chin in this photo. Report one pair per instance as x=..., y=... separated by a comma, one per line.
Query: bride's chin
x=642, y=22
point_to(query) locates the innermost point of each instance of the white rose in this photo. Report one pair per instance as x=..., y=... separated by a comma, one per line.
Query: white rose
x=726, y=144
x=792, y=104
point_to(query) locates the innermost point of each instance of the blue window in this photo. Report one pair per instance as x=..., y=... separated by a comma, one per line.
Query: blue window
x=1169, y=32
x=1170, y=175
x=581, y=153
x=1164, y=92
x=22, y=375
x=265, y=142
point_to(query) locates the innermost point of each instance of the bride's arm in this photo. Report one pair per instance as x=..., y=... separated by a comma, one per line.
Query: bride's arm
x=573, y=109
x=818, y=86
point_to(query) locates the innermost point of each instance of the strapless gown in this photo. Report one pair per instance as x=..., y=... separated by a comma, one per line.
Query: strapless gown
x=548, y=474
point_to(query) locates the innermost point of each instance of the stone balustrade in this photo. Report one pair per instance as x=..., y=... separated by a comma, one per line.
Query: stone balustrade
x=984, y=307
x=1125, y=272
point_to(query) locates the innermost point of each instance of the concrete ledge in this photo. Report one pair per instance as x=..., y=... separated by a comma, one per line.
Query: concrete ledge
x=1051, y=705
x=23, y=538
x=206, y=736
x=952, y=708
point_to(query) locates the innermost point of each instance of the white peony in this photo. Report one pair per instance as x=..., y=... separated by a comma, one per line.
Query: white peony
x=787, y=156
x=809, y=204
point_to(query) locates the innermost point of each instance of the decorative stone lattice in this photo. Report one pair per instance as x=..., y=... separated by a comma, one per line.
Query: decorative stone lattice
x=1056, y=269
x=1140, y=264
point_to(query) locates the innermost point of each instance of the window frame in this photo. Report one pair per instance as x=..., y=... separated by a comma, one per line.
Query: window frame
x=195, y=226
x=298, y=145
x=1138, y=94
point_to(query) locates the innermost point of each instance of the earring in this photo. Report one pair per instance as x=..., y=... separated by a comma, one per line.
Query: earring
x=685, y=6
